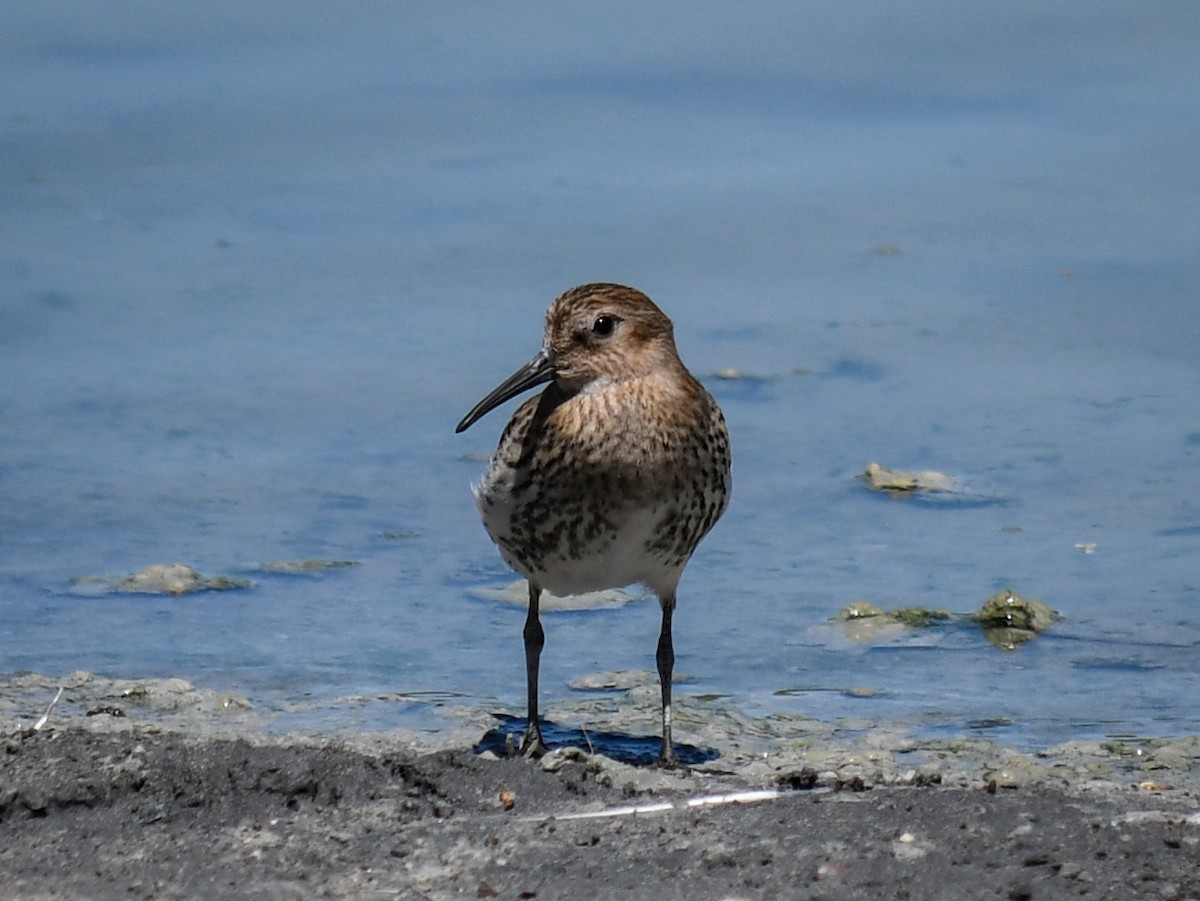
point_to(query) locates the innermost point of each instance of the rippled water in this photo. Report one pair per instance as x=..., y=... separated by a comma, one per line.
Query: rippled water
x=255, y=264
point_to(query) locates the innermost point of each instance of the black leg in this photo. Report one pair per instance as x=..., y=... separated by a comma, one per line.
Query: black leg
x=535, y=638
x=666, y=666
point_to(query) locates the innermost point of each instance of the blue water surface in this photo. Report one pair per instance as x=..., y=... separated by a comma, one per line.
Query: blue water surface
x=257, y=261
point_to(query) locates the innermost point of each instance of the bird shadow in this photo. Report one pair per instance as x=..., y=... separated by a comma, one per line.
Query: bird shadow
x=636, y=750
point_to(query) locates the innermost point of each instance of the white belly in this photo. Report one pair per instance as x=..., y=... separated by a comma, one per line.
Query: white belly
x=613, y=559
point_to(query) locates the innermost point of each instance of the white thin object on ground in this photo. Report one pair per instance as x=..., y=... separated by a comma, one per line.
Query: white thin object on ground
x=45, y=716
x=742, y=797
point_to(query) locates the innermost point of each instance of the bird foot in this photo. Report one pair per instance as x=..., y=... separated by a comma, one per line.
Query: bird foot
x=532, y=747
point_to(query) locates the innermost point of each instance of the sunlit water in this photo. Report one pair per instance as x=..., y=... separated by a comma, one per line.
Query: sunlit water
x=256, y=263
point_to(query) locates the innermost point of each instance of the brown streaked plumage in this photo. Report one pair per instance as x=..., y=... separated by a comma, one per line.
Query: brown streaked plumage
x=610, y=476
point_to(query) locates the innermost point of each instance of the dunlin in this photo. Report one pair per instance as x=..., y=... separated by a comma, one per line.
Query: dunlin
x=609, y=477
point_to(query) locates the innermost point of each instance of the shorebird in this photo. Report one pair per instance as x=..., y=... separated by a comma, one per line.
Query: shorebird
x=611, y=476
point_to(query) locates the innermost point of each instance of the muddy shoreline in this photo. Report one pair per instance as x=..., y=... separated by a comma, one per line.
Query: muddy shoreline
x=153, y=806
x=143, y=813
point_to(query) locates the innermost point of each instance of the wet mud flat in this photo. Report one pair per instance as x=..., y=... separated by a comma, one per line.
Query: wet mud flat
x=145, y=812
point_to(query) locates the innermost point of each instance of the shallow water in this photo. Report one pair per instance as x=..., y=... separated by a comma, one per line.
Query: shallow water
x=255, y=264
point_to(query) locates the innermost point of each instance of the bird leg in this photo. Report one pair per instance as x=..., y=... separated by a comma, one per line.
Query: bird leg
x=532, y=745
x=666, y=665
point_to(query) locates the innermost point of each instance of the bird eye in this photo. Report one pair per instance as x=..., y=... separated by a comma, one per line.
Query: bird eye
x=603, y=326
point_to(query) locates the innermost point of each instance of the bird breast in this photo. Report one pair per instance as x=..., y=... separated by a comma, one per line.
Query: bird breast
x=606, y=488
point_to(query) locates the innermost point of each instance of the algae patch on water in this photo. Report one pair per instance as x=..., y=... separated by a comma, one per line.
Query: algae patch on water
x=1008, y=619
x=165, y=578
x=862, y=621
x=310, y=565
x=903, y=484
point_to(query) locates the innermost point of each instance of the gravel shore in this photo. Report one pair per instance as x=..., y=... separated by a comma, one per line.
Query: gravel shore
x=104, y=807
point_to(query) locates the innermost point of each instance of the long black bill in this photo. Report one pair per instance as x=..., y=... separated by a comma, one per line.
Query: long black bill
x=538, y=370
